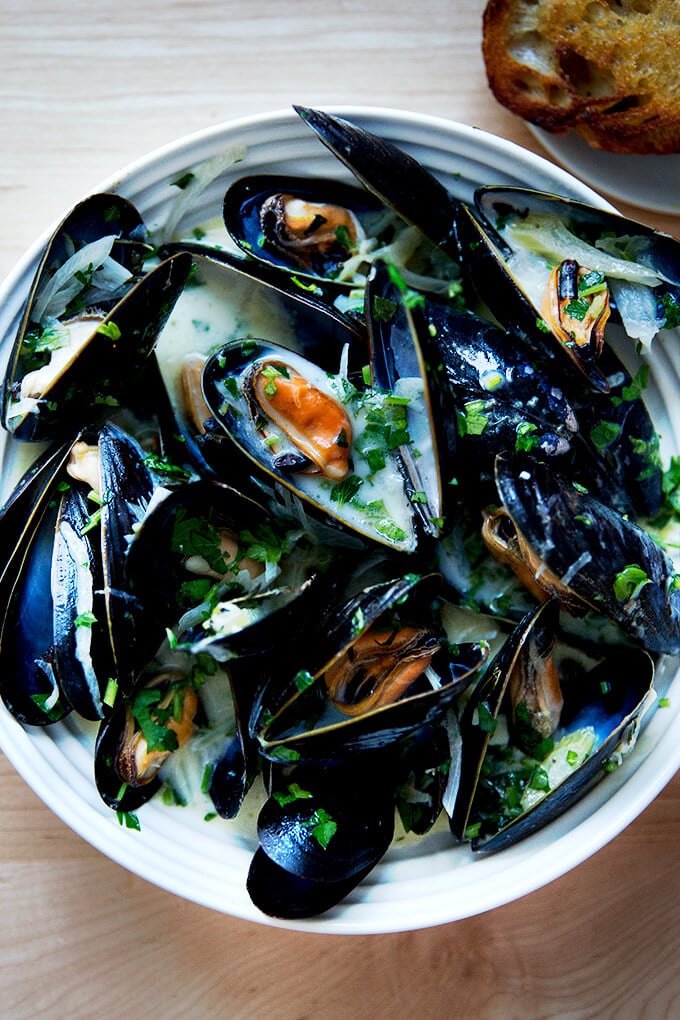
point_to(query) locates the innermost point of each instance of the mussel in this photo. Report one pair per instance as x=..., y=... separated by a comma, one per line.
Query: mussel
x=563, y=541
x=511, y=787
x=313, y=227
x=543, y=263
x=330, y=442
x=382, y=671
x=92, y=317
x=72, y=564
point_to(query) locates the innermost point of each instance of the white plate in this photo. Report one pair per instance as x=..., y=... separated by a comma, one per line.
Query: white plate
x=650, y=182
x=208, y=862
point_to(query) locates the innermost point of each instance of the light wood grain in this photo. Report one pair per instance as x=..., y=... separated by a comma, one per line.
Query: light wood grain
x=85, y=88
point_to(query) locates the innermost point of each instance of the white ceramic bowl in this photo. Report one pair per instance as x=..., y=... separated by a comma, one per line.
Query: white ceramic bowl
x=435, y=882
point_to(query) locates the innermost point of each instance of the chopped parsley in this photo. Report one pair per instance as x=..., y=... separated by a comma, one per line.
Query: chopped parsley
x=86, y=619
x=342, y=492
x=577, y=309
x=471, y=420
x=411, y=298
x=671, y=309
x=323, y=827
x=526, y=439
x=163, y=466
x=629, y=582
x=303, y=679
x=129, y=820
x=110, y=329
x=54, y=710
x=153, y=718
x=285, y=754
x=295, y=792
x=342, y=236
x=592, y=282
x=383, y=309
x=604, y=433
x=485, y=718
x=184, y=181
x=111, y=692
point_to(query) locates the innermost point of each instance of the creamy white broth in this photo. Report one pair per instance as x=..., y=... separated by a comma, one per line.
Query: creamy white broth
x=217, y=307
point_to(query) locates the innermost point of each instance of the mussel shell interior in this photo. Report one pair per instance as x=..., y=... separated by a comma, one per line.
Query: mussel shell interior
x=242, y=216
x=227, y=386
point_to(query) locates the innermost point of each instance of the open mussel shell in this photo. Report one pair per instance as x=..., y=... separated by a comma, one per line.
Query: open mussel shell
x=638, y=269
x=128, y=487
x=313, y=433
x=95, y=359
x=605, y=694
x=66, y=568
x=655, y=250
x=26, y=503
x=191, y=569
x=233, y=772
x=424, y=768
x=399, y=180
x=484, y=260
x=308, y=226
x=592, y=552
x=381, y=673
x=261, y=300
x=133, y=743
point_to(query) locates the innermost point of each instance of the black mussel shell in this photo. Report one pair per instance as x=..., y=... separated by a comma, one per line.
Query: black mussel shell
x=477, y=724
x=78, y=541
x=616, y=452
x=82, y=650
x=607, y=561
x=483, y=259
x=644, y=307
x=232, y=776
x=26, y=503
x=655, y=250
x=178, y=573
x=255, y=219
x=499, y=397
x=423, y=770
x=128, y=487
x=279, y=893
x=399, y=180
x=328, y=825
x=113, y=790
x=104, y=368
x=171, y=702
x=267, y=300
x=29, y=685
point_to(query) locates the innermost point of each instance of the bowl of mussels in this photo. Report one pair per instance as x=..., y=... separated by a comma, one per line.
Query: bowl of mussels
x=341, y=519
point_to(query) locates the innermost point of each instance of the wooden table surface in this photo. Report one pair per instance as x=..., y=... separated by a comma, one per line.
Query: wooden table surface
x=85, y=88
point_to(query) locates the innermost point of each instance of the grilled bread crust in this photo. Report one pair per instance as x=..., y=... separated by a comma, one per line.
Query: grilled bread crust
x=608, y=69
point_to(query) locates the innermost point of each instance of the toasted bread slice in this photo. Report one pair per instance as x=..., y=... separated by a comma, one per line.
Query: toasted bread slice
x=609, y=69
